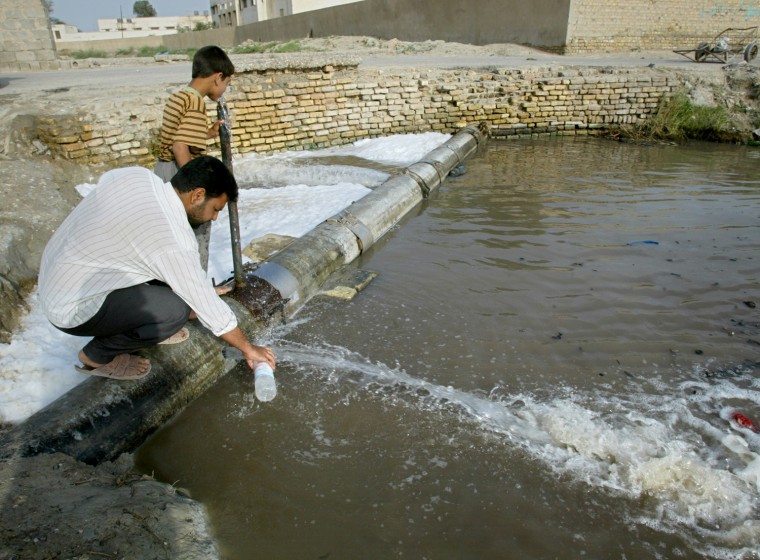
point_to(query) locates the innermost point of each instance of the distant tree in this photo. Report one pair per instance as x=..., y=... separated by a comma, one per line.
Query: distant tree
x=49, y=8
x=143, y=8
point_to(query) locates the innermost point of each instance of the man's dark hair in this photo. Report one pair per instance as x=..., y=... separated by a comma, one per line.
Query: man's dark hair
x=209, y=173
x=210, y=60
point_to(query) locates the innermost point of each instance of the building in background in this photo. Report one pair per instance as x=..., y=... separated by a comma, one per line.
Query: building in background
x=122, y=28
x=26, y=42
x=226, y=13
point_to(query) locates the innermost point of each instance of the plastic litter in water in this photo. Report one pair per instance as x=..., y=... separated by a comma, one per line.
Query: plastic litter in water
x=643, y=242
x=458, y=171
x=744, y=422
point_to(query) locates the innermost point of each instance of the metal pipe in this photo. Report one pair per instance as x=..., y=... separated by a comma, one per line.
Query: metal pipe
x=225, y=140
x=298, y=272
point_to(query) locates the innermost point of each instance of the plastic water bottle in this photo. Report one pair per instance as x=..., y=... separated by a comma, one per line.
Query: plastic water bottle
x=263, y=381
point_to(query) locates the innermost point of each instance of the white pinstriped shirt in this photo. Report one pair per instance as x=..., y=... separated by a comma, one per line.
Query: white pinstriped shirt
x=131, y=229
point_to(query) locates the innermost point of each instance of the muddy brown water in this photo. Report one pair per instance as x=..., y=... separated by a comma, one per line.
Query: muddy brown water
x=545, y=367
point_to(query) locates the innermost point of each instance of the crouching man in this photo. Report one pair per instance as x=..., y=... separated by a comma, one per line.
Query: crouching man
x=124, y=267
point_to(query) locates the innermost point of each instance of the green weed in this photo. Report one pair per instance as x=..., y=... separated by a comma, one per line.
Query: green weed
x=677, y=119
x=90, y=53
x=150, y=52
x=271, y=47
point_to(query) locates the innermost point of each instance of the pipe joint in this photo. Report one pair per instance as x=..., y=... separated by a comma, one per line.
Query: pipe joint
x=280, y=278
x=426, y=175
x=364, y=236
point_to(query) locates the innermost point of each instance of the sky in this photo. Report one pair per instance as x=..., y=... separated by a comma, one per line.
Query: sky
x=37, y=366
x=85, y=13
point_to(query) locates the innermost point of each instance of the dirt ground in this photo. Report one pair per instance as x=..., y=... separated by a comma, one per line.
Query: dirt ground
x=52, y=506
x=56, y=507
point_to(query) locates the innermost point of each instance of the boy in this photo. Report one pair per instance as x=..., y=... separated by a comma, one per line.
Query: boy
x=185, y=129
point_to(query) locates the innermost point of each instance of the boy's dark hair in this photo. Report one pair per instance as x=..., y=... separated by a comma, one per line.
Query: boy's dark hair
x=209, y=173
x=210, y=60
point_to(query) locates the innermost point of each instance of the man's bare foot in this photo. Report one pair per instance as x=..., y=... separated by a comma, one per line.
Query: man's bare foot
x=224, y=289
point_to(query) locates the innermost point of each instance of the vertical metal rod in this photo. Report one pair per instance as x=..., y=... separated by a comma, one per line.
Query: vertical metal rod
x=225, y=139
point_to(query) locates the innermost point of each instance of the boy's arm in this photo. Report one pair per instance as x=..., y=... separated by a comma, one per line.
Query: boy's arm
x=213, y=131
x=181, y=153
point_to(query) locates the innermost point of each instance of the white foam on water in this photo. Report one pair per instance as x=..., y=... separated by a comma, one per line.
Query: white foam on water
x=291, y=211
x=257, y=171
x=664, y=445
x=397, y=150
x=36, y=367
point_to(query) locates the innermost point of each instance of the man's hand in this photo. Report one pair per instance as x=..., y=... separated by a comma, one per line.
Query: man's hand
x=259, y=354
x=251, y=353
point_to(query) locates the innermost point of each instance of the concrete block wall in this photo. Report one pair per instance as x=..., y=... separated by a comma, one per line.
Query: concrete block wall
x=26, y=42
x=283, y=110
x=115, y=134
x=617, y=25
x=541, y=23
x=571, y=26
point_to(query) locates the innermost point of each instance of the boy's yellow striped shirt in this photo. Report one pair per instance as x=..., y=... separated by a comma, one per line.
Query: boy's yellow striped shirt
x=184, y=121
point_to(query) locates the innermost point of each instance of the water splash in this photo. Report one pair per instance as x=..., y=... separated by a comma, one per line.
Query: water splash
x=665, y=448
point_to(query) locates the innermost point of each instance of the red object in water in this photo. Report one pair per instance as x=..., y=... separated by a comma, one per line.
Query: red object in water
x=744, y=422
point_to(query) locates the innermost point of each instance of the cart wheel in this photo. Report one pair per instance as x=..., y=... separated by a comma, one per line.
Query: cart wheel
x=750, y=52
x=701, y=51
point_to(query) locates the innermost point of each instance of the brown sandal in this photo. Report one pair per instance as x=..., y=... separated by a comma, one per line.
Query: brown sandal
x=122, y=367
x=180, y=336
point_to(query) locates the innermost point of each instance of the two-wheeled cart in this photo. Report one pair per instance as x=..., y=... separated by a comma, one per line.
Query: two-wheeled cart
x=727, y=46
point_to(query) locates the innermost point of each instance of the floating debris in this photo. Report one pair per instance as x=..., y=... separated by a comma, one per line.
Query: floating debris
x=745, y=422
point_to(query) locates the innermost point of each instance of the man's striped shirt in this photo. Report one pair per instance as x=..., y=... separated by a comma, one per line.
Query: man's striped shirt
x=129, y=230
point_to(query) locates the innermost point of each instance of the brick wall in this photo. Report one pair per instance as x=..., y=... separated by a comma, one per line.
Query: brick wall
x=26, y=42
x=285, y=110
x=615, y=25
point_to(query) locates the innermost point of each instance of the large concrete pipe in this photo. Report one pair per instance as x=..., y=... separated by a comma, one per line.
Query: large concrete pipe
x=298, y=272
x=99, y=419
